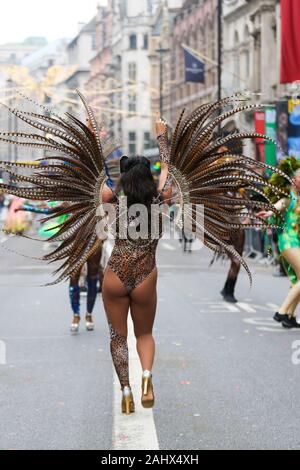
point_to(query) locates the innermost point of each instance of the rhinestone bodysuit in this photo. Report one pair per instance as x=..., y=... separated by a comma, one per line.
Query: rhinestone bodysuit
x=134, y=260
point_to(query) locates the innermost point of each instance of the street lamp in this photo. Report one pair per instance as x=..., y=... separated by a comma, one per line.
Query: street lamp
x=161, y=51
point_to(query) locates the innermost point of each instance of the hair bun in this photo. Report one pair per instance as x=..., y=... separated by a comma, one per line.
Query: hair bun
x=127, y=163
x=124, y=163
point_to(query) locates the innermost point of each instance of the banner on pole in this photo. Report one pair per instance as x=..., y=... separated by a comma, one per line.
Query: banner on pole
x=259, y=117
x=270, y=130
x=194, y=67
x=290, y=41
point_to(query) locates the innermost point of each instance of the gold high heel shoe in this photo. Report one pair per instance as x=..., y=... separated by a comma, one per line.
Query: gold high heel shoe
x=89, y=323
x=127, y=404
x=75, y=324
x=147, y=398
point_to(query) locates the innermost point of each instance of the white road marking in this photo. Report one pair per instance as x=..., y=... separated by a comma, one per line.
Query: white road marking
x=137, y=430
x=217, y=307
x=168, y=246
x=264, y=324
x=246, y=307
x=265, y=328
x=30, y=338
x=32, y=268
x=272, y=306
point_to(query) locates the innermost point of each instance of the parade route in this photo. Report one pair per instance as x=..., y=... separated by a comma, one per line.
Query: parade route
x=225, y=376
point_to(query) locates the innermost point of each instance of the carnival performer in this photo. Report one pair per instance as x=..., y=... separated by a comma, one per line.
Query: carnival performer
x=15, y=222
x=238, y=241
x=94, y=269
x=238, y=236
x=94, y=276
x=288, y=239
x=191, y=163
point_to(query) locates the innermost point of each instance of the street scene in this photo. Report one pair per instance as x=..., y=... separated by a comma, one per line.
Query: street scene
x=221, y=371
x=184, y=337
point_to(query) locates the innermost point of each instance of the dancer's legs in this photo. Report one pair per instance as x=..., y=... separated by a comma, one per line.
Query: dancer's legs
x=292, y=256
x=116, y=303
x=74, y=292
x=235, y=265
x=293, y=306
x=143, y=302
x=92, y=279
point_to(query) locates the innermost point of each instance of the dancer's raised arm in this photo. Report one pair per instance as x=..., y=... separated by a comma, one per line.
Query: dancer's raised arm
x=165, y=180
x=280, y=205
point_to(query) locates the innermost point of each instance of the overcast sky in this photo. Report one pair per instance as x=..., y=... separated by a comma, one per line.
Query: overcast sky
x=53, y=18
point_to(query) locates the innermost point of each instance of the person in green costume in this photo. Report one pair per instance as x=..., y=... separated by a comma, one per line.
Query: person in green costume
x=52, y=227
x=289, y=241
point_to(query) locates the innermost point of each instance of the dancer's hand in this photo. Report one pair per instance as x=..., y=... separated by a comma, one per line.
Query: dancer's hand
x=160, y=127
x=264, y=214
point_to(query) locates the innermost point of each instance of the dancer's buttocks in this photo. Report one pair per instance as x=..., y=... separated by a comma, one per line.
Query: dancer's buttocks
x=133, y=262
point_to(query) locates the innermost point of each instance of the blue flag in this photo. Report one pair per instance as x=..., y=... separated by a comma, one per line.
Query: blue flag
x=194, y=68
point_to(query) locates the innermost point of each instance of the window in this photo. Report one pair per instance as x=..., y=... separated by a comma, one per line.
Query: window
x=145, y=41
x=132, y=143
x=247, y=65
x=132, y=102
x=132, y=71
x=236, y=59
x=132, y=41
x=12, y=58
x=147, y=140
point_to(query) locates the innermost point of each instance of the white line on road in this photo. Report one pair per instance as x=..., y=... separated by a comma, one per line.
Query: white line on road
x=246, y=307
x=30, y=338
x=30, y=268
x=265, y=324
x=137, y=430
x=168, y=246
x=272, y=306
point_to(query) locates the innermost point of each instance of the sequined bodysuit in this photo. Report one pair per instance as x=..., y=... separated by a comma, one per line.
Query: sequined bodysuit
x=134, y=260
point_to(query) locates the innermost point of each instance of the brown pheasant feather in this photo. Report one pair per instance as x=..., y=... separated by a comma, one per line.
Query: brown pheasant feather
x=73, y=176
x=203, y=172
x=207, y=175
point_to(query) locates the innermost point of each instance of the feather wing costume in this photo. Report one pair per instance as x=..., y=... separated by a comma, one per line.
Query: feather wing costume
x=208, y=172
x=75, y=174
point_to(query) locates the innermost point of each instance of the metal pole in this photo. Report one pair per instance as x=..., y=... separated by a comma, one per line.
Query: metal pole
x=161, y=51
x=161, y=98
x=220, y=14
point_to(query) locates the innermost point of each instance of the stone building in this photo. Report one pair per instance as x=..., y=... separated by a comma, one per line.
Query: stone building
x=251, y=62
x=195, y=26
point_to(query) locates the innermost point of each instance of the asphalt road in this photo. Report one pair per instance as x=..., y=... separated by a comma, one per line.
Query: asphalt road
x=224, y=375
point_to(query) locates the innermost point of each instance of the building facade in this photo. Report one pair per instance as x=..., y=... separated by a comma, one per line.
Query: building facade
x=195, y=26
x=251, y=62
x=135, y=75
x=160, y=62
x=79, y=52
x=251, y=57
